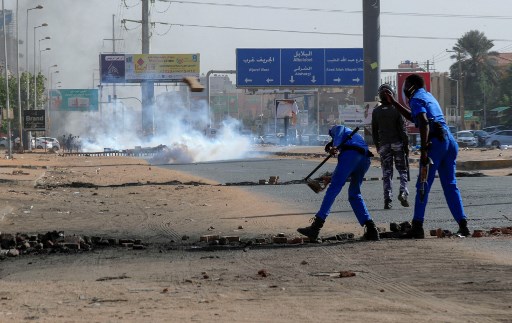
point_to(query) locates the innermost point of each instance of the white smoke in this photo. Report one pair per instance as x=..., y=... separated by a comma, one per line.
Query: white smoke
x=180, y=124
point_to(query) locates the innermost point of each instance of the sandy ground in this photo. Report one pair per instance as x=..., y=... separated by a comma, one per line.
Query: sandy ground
x=431, y=280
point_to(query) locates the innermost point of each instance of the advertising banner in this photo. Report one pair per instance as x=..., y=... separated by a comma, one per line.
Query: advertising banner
x=411, y=129
x=74, y=100
x=352, y=115
x=34, y=120
x=112, y=68
x=161, y=67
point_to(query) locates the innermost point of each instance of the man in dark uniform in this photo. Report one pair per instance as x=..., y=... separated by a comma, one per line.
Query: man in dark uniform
x=390, y=138
x=353, y=163
x=438, y=149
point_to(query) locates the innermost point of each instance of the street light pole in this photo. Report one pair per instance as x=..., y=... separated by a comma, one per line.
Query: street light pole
x=35, y=68
x=6, y=66
x=40, y=52
x=460, y=89
x=20, y=121
x=39, y=47
x=27, y=70
x=49, y=96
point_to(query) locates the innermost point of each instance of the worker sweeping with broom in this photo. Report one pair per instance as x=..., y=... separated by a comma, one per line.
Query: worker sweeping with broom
x=353, y=163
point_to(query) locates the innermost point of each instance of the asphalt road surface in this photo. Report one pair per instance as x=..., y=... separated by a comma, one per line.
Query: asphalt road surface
x=487, y=199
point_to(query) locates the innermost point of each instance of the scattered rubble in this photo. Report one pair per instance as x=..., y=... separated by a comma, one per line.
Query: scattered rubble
x=13, y=245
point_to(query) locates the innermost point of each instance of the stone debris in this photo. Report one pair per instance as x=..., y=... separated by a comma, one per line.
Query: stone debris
x=395, y=230
x=263, y=273
x=56, y=241
x=492, y=232
x=273, y=180
x=344, y=274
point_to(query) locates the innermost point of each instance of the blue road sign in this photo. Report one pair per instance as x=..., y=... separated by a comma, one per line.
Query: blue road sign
x=299, y=67
x=258, y=67
x=344, y=66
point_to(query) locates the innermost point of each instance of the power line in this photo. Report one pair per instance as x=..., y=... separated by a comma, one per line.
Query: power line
x=313, y=32
x=391, y=13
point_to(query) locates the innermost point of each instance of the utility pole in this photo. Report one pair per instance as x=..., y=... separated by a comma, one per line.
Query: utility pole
x=147, y=87
x=6, y=70
x=113, y=50
x=113, y=39
x=371, y=48
x=461, y=93
x=460, y=89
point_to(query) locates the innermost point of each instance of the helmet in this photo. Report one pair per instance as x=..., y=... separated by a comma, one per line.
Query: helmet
x=385, y=87
x=335, y=129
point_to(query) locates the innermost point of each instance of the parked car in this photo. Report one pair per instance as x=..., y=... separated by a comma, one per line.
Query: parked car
x=4, y=142
x=323, y=140
x=499, y=138
x=466, y=138
x=481, y=136
x=271, y=139
x=493, y=129
x=453, y=129
x=47, y=143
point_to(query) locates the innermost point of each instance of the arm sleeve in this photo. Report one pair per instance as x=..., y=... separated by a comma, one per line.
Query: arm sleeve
x=402, y=129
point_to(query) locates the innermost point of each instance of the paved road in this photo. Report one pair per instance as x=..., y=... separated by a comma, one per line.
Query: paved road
x=487, y=199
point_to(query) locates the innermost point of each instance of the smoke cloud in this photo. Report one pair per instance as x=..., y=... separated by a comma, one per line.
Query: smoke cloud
x=181, y=130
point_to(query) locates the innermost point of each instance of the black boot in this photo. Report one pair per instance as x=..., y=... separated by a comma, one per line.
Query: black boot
x=402, y=197
x=415, y=232
x=371, y=233
x=313, y=230
x=463, y=228
x=388, y=204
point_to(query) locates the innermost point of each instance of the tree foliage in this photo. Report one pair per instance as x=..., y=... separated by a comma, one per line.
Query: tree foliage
x=476, y=67
x=26, y=85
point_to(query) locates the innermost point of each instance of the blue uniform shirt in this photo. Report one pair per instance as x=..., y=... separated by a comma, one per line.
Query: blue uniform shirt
x=424, y=102
x=339, y=133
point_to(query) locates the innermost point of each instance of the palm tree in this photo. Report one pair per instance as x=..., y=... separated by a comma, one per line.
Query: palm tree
x=476, y=69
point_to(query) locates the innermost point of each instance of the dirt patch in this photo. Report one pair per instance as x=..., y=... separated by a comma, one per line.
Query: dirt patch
x=449, y=280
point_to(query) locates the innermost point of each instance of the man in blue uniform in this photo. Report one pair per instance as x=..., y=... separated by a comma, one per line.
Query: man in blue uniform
x=438, y=148
x=390, y=138
x=353, y=162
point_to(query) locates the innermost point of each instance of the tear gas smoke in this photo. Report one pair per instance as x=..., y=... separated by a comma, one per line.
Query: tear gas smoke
x=180, y=124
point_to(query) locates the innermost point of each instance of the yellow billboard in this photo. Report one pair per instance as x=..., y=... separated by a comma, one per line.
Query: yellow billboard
x=160, y=67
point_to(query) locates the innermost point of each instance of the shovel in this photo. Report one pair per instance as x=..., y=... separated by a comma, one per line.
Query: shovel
x=316, y=186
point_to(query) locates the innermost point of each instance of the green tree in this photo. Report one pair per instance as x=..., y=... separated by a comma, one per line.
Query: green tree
x=13, y=95
x=479, y=73
x=506, y=88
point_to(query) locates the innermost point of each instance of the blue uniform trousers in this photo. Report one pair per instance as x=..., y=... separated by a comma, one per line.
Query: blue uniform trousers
x=354, y=165
x=443, y=154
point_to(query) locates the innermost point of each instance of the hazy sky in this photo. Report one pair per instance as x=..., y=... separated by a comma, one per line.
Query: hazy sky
x=78, y=29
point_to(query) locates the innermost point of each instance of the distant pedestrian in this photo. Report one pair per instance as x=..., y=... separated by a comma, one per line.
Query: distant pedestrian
x=390, y=138
x=63, y=143
x=69, y=143
x=353, y=163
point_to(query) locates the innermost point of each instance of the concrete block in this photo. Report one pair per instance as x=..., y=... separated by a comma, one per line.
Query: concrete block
x=72, y=246
x=296, y=240
x=478, y=234
x=232, y=238
x=209, y=238
x=280, y=240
